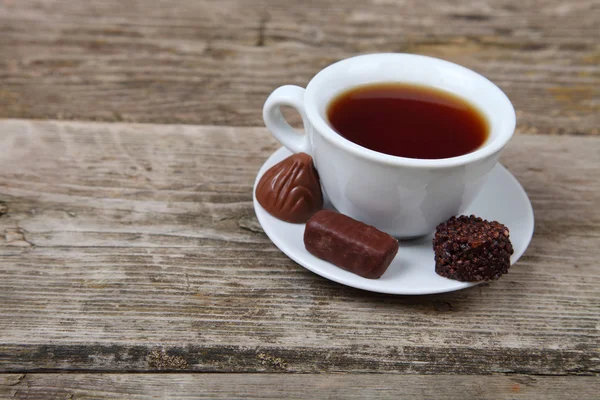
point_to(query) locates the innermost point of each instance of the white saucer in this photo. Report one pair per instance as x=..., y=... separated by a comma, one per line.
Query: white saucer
x=413, y=271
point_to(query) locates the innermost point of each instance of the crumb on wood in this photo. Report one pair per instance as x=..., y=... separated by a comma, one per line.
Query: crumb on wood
x=3, y=209
x=161, y=361
x=274, y=362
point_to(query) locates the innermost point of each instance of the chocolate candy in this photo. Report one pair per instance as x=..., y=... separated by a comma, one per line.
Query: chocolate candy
x=471, y=249
x=290, y=190
x=349, y=244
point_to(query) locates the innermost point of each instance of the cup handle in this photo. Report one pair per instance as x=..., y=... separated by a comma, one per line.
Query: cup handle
x=293, y=96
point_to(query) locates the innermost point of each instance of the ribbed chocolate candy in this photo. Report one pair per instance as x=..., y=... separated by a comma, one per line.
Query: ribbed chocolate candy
x=349, y=244
x=290, y=190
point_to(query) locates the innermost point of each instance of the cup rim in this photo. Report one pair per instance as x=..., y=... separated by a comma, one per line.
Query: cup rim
x=320, y=125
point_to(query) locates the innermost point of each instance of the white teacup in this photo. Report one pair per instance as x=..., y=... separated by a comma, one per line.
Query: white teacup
x=404, y=197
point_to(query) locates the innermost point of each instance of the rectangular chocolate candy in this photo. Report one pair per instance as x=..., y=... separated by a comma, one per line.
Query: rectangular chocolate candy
x=349, y=244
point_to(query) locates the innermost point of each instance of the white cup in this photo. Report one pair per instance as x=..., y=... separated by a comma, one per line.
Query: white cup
x=404, y=197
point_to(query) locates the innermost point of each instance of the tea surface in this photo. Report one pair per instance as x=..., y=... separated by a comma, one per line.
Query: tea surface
x=408, y=120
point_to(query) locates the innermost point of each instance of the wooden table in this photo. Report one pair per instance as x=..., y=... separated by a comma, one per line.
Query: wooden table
x=129, y=247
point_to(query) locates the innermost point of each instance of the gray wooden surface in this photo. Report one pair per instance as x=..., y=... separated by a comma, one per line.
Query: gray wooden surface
x=288, y=386
x=134, y=247
x=131, y=262
x=215, y=61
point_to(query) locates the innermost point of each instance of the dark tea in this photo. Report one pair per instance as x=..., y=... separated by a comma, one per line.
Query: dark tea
x=408, y=120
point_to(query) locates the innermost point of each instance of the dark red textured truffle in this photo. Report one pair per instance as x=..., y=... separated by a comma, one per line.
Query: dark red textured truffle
x=471, y=249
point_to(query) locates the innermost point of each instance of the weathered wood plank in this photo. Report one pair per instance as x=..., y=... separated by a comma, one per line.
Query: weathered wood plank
x=305, y=386
x=215, y=61
x=121, y=241
x=290, y=356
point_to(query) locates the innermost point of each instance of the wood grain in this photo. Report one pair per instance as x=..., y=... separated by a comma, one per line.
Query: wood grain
x=305, y=386
x=215, y=61
x=134, y=247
